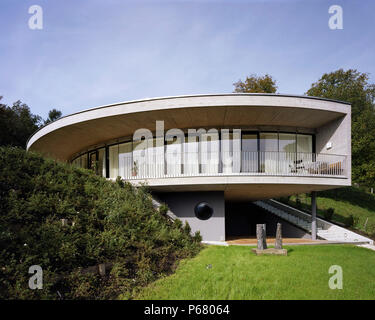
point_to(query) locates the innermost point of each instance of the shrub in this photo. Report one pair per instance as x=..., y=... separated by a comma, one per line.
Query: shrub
x=178, y=223
x=351, y=221
x=114, y=223
x=298, y=203
x=328, y=213
x=285, y=200
x=187, y=228
x=197, y=236
x=163, y=209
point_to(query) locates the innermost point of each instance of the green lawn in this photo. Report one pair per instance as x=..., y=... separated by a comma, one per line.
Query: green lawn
x=237, y=273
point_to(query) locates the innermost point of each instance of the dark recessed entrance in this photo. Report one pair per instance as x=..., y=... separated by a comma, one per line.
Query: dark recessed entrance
x=241, y=220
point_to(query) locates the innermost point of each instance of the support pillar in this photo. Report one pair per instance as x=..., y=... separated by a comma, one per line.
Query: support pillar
x=313, y=215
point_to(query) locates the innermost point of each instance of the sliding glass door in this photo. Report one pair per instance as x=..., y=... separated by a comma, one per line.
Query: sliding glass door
x=191, y=156
x=209, y=152
x=268, y=147
x=250, y=156
x=305, y=149
x=304, y=143
x=231, y=151
x=125, y=160
x=287, y=153
x=173, y=156
x=206, y=152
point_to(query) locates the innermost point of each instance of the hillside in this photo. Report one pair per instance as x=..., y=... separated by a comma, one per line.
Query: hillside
x=352, y=208
x=106, y=222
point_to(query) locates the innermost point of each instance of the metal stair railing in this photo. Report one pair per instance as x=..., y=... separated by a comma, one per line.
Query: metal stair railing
x=298, y=220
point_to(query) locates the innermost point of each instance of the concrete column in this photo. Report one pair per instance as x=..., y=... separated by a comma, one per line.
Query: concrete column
x=313, y=215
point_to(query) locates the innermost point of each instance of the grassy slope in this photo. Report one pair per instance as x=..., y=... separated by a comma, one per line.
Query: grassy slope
x=346, y=202
x=237, y=273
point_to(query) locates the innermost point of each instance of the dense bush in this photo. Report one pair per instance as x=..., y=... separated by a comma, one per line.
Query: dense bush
x=351, y=221
x=328, y=214
x=298, y=203
x=107, y=223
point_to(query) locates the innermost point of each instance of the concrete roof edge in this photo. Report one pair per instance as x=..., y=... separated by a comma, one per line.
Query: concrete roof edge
x=187, y=96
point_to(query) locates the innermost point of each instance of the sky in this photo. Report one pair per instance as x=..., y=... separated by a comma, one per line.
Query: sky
x=91, y=53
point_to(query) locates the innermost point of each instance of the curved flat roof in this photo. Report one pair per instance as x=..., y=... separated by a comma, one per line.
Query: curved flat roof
x=73, y=133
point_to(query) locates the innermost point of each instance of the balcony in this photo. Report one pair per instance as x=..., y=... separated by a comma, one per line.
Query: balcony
x=138, y=165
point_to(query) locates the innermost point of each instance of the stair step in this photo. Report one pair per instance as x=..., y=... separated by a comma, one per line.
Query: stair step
x=301, y=222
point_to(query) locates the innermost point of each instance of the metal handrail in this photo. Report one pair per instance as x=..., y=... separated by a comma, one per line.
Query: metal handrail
x=158, y=164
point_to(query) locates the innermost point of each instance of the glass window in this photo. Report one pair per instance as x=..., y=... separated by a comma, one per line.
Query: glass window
x=191, y=155
x=113, y=161
x=84, y=160
x=173, y=156
x=101, y=162
x=158, y=157
x=304, y=143
x=287, y=142
x=93, y=161
x=77, y=162
x=269, y=156
x=209, y=151
x=97, y=161
x=80, y=161
x=205, y=153
x=287, y=154
x=142, y=149
x=250, y=142
x=125, y=160
x=249, y=158
x=231, y=151
x=268, y=141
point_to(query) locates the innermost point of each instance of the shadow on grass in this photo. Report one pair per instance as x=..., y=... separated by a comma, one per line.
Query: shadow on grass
x=290, y=250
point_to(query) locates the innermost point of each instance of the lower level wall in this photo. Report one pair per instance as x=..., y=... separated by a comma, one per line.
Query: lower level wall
x=228, y=219
x=182, y=204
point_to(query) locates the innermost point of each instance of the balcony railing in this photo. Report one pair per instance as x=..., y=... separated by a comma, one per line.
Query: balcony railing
x=143, y=165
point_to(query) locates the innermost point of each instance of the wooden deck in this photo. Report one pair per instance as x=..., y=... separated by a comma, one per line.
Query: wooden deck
x=270, y=241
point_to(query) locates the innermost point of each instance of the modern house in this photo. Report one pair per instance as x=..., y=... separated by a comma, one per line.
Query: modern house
x=204, y=154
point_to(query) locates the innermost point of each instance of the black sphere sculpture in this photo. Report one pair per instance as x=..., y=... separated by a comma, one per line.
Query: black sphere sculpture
x=203, y=211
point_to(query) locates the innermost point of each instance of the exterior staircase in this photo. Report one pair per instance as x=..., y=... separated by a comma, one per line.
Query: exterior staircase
x=325, y=230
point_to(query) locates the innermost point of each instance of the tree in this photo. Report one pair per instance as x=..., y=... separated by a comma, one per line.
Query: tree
x=53, y=115
x=256, y=84
x=354, y=87
x=17, y=124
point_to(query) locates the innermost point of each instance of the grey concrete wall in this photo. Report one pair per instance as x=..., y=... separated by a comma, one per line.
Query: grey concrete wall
x=182, y=204
x=338, y=132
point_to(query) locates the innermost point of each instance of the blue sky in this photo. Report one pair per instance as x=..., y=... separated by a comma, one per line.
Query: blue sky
x=92, y=52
